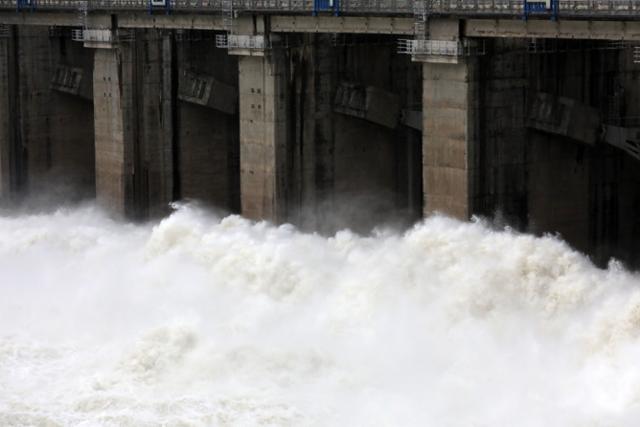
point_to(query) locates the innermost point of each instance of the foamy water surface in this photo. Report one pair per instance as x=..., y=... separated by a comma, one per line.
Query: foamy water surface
x=208, y=321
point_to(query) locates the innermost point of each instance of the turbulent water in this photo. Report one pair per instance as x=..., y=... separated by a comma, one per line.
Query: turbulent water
x=199, y=320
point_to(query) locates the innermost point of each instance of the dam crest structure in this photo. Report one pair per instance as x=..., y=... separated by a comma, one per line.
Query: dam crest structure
x=331, y=113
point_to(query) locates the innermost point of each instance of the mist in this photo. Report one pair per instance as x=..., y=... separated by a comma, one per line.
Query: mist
x=204, y=319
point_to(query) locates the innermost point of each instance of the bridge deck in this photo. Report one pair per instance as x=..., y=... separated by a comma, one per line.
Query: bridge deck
x=623, y=10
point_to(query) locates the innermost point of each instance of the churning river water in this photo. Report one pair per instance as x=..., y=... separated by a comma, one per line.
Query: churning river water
x=206, y=321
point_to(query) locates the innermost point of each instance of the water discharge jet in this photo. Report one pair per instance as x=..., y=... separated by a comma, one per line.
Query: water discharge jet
x=222, y=321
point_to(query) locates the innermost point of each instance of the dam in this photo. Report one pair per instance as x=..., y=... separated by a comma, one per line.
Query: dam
x=319, y=213
x=291, y=110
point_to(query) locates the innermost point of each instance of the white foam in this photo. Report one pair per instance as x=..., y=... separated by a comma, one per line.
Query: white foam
x=199, y=320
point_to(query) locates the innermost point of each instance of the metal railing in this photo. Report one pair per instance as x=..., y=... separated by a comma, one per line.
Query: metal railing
x=231, y=41
x=443, y=48
x=430, y=47
x=208, y=5
x=605, y=9
x=566, y=8
x=92, y=35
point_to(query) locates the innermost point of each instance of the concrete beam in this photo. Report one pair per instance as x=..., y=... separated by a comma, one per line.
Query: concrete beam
x=134, y=126
x=173, y=21
x=343, y=24
x=562, y=29
x=534, y=28
x=62, y=19
x=444, y=29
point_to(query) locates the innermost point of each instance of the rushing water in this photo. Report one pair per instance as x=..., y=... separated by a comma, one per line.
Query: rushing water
x=200, y=320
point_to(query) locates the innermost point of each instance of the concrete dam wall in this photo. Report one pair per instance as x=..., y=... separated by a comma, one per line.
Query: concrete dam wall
x=328, y=130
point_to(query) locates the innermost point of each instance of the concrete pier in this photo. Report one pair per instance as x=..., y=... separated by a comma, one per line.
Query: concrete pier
x=264, y=131
x=450, y=137
x=114, y=157
x=133, y=102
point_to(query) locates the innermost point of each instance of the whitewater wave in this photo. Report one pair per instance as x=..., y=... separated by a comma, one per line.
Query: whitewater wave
x=200, y=320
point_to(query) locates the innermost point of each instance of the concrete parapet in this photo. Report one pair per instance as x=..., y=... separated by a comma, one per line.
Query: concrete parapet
x=559, y=29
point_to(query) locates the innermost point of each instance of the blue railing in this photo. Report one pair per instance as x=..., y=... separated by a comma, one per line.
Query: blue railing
x=332, y=6
x=538, y=7
x=26, y=4
x=164, y=5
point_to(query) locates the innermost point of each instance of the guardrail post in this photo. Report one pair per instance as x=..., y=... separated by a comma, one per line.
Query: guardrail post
x=263, y=136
